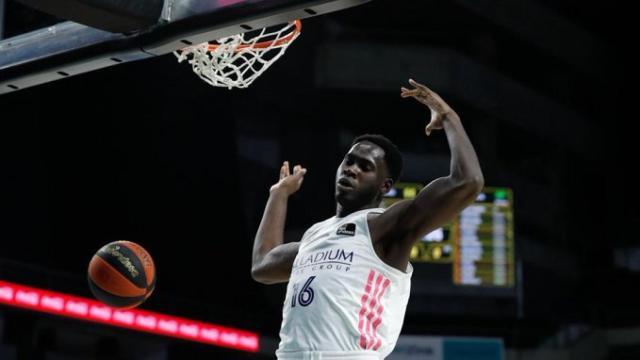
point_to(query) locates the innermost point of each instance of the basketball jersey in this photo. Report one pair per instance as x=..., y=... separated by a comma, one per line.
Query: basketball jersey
x=342, y=301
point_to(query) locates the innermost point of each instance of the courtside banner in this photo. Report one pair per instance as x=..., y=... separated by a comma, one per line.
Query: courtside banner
x=91, y=310
x=410, y=347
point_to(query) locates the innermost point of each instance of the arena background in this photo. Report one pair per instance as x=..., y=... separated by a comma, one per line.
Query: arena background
x=145, y=151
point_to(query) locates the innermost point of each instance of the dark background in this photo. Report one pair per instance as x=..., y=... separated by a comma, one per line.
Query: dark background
x=148, y=152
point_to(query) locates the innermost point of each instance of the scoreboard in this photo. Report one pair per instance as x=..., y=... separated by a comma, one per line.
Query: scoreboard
x=478, y=243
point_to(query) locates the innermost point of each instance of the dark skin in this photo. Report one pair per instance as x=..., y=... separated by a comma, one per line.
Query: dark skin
x=361, y=180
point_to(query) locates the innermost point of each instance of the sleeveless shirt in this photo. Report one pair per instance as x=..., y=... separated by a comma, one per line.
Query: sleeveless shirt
x=342, y=300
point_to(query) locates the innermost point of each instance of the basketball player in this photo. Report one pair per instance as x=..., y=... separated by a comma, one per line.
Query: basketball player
x=349, y=276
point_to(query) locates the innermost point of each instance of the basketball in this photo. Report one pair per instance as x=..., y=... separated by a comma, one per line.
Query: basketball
x=122, y=274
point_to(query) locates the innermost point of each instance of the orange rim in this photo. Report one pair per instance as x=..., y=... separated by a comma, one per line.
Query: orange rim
x=268, y=43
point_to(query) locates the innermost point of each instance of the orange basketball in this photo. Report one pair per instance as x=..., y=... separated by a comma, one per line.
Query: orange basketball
x=122, y=274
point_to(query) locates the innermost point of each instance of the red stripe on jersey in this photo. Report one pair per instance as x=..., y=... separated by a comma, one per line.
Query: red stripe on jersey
x=370, y=312
x=378, y=320
x=363, y=309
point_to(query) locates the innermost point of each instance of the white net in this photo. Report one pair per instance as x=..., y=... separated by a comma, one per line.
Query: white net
x=236, y=61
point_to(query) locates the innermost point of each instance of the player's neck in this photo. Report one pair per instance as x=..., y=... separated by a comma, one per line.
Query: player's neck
x=342, y=211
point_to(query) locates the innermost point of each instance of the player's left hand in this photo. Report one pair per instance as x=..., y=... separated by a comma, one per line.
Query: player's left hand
x=440, y=110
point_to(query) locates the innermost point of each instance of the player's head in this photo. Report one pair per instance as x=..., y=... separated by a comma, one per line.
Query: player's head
x=369, y=169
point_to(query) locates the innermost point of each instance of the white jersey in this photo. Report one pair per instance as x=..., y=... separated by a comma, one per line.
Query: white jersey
x=342, y=301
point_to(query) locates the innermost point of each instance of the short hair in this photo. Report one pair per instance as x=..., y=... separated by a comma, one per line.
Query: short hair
x=392, y=156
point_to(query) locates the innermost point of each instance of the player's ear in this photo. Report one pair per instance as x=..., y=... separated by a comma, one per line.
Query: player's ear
x=386, y=186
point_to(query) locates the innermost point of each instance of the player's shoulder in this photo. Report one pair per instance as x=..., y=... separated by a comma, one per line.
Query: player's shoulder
x=373, y=215
x=316, y=227
x=320, y=224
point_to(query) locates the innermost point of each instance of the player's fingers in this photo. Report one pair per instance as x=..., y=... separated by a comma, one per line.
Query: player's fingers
x=287, y=172
x=407, y=93
x=301, y=179
x=283, y=171
x=299, y=171
x=419, y=86
x=423, y=96
x=433, y=124
x=429, y=95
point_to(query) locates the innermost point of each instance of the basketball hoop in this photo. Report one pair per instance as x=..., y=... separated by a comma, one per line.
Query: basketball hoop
x=236, y=61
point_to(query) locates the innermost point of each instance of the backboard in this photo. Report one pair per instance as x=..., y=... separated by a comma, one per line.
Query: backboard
x=70, y=48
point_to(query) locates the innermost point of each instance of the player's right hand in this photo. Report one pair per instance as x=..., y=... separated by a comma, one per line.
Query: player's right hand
x=289, y=183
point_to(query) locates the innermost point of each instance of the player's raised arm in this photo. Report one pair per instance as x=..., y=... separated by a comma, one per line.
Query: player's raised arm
x=444, y=197
x=272, y=260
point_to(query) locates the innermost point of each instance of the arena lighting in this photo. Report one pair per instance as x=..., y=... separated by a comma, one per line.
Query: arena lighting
x=140, y=320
